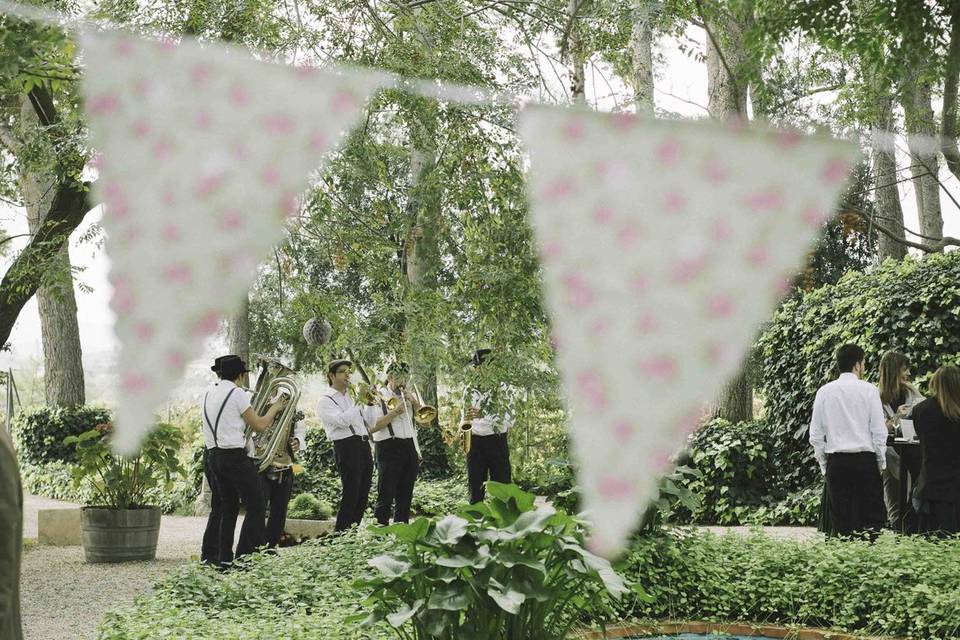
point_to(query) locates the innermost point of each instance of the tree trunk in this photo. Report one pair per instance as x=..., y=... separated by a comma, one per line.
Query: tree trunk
x=726, y=93
x=60, y=334
x=238, y=333
x=887, y=194
x=641, y=42
x=421, y=268
x=578, y=80
x=727, y=100
x=924, y=160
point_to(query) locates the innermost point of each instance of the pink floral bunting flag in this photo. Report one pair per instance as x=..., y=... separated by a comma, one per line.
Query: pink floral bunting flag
x=664, y=245
x=203, y=152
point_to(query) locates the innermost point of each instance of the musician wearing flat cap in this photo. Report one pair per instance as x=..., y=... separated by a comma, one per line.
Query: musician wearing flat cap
x=344, y=425
x=395, y=444
x=226, y=412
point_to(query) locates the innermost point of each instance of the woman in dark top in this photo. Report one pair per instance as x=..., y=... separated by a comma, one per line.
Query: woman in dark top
x=937, y=421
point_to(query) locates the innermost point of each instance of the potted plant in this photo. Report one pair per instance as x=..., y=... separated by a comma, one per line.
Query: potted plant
x=119, y=524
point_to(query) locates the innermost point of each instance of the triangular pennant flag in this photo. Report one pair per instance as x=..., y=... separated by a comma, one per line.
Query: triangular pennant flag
x=664, y=244
x=203, y=153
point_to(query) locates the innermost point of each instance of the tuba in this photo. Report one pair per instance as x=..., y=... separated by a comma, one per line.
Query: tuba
x=272, y=443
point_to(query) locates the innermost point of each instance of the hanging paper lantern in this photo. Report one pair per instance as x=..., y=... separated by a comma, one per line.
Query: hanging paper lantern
x=317, y=331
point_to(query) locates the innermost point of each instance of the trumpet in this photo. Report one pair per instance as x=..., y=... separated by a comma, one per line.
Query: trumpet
x=367, y=394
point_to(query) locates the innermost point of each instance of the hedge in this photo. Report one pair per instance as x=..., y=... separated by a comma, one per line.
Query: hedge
x=912, y=306
x=39, y=434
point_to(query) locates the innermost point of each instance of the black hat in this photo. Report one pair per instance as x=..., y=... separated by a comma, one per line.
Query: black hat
x=216, y=363
x=480, y=356
x=398, y=367
x=231, y=366
x=336, y=364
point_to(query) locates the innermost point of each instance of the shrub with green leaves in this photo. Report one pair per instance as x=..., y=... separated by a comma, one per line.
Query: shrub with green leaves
x=39, y=434
x=899, y=586
x=308, y=507
x=500, y=569
x=911, y=306
x=738, y=480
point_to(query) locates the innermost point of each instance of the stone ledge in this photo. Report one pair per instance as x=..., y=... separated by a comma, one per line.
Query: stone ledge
x=58, y=527
x=733, y=628
x=308, y=528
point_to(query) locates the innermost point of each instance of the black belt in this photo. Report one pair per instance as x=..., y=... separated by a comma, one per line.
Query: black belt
x=354, y=438
x=224, y=449
x=492, y=435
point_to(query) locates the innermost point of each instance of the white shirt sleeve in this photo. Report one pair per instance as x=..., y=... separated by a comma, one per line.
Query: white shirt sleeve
x=300, y=433
x=878, y=429
x=333, y=415
x=818, y=433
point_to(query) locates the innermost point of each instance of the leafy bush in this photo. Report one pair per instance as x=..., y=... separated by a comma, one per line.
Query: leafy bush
x=910, y=306
x=304, y=593
x=899, y=586
x=738, y=480
x=39, y=434
x=438, y=497
x=52, y=480
x=308, y=507
x=500, y=569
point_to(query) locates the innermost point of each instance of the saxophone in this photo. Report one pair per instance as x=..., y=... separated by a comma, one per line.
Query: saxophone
x=271, y=444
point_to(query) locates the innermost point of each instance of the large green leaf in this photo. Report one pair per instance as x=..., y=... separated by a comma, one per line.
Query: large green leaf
x=389, y=566
x=506, y=597
x=450, y=529
x=450, y=597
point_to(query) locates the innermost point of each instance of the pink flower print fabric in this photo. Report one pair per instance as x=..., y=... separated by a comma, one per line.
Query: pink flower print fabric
x=676, y=238
x=203, y=153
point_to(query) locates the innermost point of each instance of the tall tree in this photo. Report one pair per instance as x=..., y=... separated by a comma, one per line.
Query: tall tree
x=727, y=88
x=57, y=305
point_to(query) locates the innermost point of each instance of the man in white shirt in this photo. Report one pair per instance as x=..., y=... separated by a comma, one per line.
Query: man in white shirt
x=395, y=443
x=226, y=413
x=344, y=425
x=489, y=456
x=848, y=436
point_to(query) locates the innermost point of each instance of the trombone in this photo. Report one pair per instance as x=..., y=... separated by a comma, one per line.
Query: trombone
x=427, y=413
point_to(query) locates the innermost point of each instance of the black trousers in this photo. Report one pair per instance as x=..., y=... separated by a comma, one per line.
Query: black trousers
x=235, y=478
x=397, y=469
x=489, y=458
x=210, y=549
x=355, y=465
x=855, y=492
x=277, y=487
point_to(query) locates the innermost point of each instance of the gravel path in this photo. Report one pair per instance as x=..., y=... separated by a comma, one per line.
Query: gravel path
x=63, y=597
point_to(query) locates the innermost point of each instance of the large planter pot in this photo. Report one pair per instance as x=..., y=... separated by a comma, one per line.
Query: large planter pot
x=119, y=535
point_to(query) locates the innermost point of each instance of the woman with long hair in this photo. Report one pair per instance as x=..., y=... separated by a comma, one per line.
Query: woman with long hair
x=898, y=396
x=937, y=421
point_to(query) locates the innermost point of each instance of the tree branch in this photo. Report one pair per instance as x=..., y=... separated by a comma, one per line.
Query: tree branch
x=936, y=246
x=951, y=76
x=70, y=204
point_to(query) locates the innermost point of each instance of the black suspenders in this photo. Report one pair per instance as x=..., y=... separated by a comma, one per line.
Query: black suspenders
x=216, y=425
x=352, y=430
x=383, y=406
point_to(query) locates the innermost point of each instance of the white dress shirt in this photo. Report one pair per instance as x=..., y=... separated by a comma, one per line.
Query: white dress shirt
x=490, y=423
x=848, y=418
x=231, y=428
x=402, y=425
x=340, y=416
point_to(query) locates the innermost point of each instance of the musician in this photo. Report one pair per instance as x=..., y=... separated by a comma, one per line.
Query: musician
x=278, y=483
x=489, y=456
x=233, y=475
x=345, y=427
x=395, y=444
